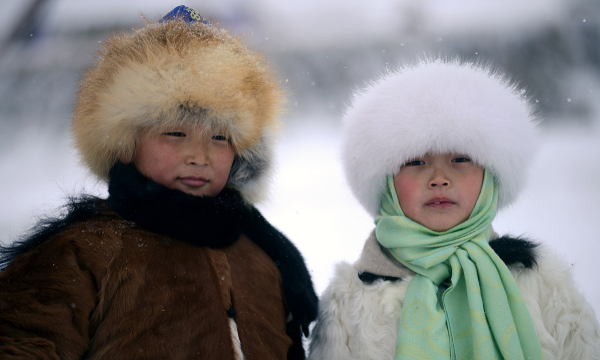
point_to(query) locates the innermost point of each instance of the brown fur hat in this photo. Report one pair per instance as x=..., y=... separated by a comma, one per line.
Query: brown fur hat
x=179, y=72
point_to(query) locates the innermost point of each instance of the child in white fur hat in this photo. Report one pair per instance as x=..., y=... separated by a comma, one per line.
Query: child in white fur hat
x=432, y=151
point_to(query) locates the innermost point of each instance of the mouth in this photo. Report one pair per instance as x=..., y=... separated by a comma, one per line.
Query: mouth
x=194, y=181
x=440, y=203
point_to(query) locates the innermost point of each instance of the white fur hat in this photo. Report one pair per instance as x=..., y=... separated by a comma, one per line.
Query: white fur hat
x=441, y=107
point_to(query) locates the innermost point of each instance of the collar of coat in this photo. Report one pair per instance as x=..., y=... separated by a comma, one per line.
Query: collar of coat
x=376, y=262
x=214, y=222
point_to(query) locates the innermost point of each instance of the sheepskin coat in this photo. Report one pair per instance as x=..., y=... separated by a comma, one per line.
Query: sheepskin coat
x=154, y=273
x=359, y=313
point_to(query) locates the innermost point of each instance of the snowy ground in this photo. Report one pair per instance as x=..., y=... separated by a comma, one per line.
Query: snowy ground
x=311, y=203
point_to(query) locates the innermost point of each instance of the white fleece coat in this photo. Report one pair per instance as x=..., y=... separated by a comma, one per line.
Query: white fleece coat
x=360, y=321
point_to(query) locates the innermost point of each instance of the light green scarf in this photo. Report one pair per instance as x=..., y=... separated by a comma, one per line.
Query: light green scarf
x=483, y=314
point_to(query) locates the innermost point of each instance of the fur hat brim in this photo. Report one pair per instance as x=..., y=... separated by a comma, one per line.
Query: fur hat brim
x=438, y=106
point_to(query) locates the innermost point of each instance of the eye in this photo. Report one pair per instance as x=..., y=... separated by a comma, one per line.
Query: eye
x=461, y=160
x=415, y=163
x=219, y=137
x=175, y=133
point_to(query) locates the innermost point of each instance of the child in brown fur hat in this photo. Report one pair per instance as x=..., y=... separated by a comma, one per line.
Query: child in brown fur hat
x=176, y=263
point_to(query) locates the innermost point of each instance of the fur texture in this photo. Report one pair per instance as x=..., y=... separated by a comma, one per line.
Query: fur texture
x=235, y=340
x=176, y=72
x=108, y=288
x=213, y=222
x=174, y=213
x=437, y=106
x=368, y=278
x=165, y=220
x=515, y=251
x=77, y=209
x=566, y=324
x=297, y=284
x=359, y=320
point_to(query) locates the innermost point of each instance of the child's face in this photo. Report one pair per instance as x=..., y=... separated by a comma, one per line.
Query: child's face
x=190, y=159
x=439, y=191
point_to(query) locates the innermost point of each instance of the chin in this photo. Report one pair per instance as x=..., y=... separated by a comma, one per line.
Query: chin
x=202, y=194
x=444, y=224
x=194, y=192
x=441, y=227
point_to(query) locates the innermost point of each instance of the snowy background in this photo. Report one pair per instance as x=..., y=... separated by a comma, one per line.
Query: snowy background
x=321, y=51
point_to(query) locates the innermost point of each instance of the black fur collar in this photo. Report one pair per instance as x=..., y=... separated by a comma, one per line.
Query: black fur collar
x=215, y=222
x=515, y=250
x=204, y=221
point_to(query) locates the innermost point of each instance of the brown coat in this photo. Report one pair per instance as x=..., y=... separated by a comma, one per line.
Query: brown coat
x=116, y=291
x=107, y=288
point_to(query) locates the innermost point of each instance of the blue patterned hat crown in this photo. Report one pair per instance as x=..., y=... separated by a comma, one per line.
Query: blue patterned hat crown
x=185, y=13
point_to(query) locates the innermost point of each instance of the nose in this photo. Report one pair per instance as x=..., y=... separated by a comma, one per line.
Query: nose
x=197, y=155
x=439, y=178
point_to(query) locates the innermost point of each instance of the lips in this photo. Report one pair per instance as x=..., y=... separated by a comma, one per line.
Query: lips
x=439, y=203
x=194, y=181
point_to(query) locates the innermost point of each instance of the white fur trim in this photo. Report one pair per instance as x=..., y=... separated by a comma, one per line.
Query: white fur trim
x=565, y=323
x=235, y=339
x=357, y=321
x=437, y=106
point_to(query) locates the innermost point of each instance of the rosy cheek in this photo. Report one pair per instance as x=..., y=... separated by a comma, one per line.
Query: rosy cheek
x=408, y=195
x=407, y=191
